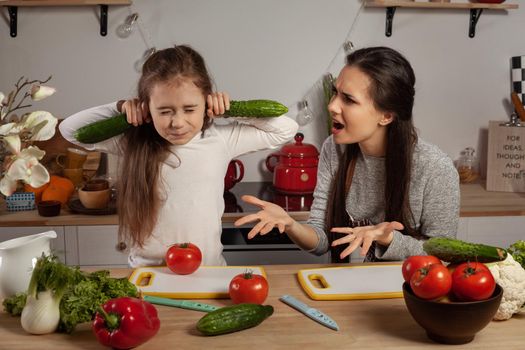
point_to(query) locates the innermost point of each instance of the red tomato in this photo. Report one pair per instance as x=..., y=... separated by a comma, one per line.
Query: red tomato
x=248, y=288
x=472, y=281
x=415, y=262
x=431, y=282
x=183, y=258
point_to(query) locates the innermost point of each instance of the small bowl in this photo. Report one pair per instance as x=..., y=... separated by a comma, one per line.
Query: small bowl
x=452, y=322
x=49, y=208
x=96, y=199
x=96, y=185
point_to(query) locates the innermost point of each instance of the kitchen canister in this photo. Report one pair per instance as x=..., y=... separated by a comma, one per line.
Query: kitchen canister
x=517, y=66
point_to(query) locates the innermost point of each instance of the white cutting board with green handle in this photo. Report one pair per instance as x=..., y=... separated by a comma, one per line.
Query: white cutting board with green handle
x=208, y=282
x=376, y=281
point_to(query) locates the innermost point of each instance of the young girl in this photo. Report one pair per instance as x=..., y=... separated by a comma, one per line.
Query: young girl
x=171, y=175
x=379, y=186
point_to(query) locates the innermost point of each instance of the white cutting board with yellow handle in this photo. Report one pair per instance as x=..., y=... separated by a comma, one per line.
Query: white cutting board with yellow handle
x=353, y=282
x=208, y=282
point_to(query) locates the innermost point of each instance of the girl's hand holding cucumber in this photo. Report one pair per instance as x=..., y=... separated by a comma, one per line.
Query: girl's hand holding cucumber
x=217, y=104
x=136, y=113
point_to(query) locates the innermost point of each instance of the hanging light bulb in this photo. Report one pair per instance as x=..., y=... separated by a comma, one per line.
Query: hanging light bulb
x=125, y=29
x=140, y=62
x=304, y=116
x=348, y=46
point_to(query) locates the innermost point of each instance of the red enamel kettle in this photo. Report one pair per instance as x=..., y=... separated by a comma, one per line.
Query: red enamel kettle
x=296, y=169
x=232, y=175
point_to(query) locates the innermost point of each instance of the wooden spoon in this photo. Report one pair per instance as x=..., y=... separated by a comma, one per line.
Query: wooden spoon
x=518, y=106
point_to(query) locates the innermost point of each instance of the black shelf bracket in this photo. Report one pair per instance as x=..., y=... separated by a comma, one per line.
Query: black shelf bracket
x=390, y=11
x=103, y=20
x=474, y=17
x=13, y=19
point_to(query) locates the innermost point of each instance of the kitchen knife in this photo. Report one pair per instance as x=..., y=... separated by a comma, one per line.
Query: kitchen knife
x=183, y=304
x=518, y=106
x=314, y=314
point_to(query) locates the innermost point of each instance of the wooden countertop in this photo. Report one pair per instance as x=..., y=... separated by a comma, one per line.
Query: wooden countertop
x=475, y=201
x=364, y=324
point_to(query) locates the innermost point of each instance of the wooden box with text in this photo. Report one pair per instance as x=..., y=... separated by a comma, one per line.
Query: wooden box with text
x=506, y=158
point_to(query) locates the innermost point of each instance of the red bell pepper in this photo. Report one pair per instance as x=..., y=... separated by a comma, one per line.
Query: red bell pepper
x=125, y=322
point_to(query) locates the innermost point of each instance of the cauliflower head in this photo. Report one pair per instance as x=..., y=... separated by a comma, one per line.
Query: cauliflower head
x=511, y=277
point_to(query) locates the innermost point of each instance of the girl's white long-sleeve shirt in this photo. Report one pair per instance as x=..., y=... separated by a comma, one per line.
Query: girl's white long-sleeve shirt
x=192, y=179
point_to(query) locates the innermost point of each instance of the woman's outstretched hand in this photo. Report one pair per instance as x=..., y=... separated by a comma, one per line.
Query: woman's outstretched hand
x=271, y=215
x=363, y=236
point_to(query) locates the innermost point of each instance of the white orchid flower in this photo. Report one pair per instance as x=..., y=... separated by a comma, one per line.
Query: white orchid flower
x=13, y=143
x=7, y=129
x=25, y=166
x=41, y=124
x=39, y=92
x=2, y=98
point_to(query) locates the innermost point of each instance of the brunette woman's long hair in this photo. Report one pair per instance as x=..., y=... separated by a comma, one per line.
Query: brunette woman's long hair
x=392, y=90
x=144, y=150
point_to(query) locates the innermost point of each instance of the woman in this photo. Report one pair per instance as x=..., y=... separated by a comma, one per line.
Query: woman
x=379, y=186
x=171, y=176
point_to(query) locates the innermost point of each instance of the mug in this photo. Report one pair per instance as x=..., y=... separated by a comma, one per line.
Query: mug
x=96, y=185
x=76, y=175
x=232, y=176
x=74, y=158
x=96, y=199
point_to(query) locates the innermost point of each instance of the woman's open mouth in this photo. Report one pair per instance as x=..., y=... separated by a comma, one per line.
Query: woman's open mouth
x=337, y=126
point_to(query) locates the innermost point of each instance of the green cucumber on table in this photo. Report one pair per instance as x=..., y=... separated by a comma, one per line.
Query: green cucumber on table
x=110, y=127
x=456, y=251
x=233, y=318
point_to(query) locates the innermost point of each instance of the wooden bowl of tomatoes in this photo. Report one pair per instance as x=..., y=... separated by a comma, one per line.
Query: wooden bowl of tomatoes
x=452, y=322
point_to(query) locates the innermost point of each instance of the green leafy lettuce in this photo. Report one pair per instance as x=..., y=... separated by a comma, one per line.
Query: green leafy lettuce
x=517, y=250
x=83, y=295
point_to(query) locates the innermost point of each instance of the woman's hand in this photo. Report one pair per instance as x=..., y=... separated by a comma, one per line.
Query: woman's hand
x=217, y=104
x=136, y=113
x=364, y=236
x=270, y=216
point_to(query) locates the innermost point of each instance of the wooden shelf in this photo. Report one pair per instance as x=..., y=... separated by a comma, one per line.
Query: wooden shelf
x=475, y=10
x=12, y=7
x=438, y=5
x=44, y=3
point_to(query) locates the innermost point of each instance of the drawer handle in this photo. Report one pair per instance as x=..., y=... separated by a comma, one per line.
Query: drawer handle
x=121, y=246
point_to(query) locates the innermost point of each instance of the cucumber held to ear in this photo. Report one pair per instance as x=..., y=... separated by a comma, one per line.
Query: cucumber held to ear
x=256, y=108
x=102, y=129
x=110, y=127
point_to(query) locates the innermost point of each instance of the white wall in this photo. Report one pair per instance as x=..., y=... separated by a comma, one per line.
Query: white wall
x=275, y=49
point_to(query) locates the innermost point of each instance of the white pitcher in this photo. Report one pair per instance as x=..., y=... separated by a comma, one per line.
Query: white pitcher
x=18, y=258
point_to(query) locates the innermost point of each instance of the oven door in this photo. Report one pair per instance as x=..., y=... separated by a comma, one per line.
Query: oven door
x=270, y=249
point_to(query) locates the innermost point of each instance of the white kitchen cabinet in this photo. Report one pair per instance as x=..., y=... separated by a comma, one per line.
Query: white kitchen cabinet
x=57, y=244
x=500, y=231
x=94, y=246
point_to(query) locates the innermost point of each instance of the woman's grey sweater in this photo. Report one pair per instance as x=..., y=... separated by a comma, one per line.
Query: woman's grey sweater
x=434, y=197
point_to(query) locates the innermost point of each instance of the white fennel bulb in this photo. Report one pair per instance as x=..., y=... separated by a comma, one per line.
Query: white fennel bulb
x=41, y=314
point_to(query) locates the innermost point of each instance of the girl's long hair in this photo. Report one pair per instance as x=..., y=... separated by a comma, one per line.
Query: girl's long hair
x=144, y=150
x=392, y=90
